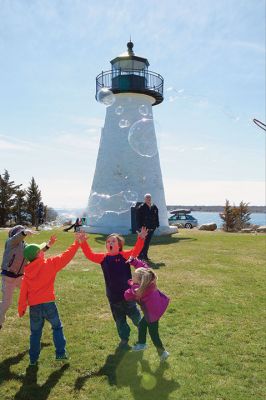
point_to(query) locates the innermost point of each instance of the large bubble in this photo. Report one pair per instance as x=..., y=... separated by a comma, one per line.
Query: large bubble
x=105, y=96
x=101, y=204
x=142, y=138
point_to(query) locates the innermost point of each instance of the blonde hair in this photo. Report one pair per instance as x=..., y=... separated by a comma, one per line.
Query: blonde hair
x=147, y=277
x=120, y=239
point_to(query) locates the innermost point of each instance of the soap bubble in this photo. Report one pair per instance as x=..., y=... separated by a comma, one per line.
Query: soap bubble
x=119, y=110
x=124, y=123
x=142, y=179
x=171, y=94
x=142, y=138
x=105, y=96
x=148, y=381
x=103, y=204
x=131, y=196
x=144, y=110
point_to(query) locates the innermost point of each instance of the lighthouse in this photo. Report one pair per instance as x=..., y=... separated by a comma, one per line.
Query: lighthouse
x=128, y=164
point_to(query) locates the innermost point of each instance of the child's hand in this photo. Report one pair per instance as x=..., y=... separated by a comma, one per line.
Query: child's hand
x=143, y=233
x=51, y=241
x=81, y=236
x=29, y=232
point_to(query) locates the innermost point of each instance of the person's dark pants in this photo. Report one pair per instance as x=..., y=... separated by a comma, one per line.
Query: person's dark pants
x=72, y=226
x=153, y=328
x=120, y=312
x=38, y=314
x=144, y=251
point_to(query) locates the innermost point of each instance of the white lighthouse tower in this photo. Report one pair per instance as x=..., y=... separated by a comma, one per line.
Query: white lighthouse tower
x=128, y=164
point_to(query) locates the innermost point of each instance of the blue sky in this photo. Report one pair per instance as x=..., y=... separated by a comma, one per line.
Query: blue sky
x=211, y=55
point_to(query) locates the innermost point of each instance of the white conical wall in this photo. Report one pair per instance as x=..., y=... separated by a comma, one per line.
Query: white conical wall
x=127, y=167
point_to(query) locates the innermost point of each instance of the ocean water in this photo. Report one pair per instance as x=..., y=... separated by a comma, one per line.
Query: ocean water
x=205, y=217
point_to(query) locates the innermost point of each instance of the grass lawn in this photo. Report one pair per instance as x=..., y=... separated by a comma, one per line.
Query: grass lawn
x=214, y=327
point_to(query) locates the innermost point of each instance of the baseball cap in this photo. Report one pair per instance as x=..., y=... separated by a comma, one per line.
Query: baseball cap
x=31, y=250
x=15, y=229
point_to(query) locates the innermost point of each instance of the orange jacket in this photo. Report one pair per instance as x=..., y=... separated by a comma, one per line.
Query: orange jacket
x=37, y=285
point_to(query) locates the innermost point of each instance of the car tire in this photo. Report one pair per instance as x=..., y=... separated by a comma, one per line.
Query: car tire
x=188, y=226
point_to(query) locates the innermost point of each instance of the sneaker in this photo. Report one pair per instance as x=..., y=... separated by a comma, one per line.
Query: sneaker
x=123, y=345
x=62, y=357
x=139, y=347
x=164, y=356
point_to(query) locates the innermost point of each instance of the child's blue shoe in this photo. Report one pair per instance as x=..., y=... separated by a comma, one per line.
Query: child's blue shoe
x=62, y=357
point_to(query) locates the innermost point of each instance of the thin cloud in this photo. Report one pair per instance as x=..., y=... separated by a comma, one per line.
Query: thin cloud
x=14, y=144
x=88, y=121
x=199, y=148
x=69, y=141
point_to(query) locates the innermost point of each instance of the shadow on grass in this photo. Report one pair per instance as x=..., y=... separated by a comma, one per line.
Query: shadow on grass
x=128, y=369
x=5, y=373
x=30, y=388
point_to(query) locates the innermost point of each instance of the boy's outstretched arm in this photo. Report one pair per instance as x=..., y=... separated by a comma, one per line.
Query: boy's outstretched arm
x=59, y=262
x=94, y=257
x=139, y=244
x=23, y=299
x=50, y=242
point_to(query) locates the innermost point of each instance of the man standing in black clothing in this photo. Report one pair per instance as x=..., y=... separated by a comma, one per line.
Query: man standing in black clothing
x=147, y=215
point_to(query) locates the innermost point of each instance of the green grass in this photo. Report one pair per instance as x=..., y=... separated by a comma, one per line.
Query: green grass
x=214, y=327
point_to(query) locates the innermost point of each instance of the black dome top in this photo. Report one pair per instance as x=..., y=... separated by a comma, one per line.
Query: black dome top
x=130, y=55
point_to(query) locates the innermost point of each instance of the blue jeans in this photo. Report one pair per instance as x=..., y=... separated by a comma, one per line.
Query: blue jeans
x=120, y=312
x=38, y=314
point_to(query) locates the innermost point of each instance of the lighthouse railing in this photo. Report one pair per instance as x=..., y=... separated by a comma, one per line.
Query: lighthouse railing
x=152, y=81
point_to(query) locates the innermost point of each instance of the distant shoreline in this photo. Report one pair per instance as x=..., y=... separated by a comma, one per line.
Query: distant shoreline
x=252, y=209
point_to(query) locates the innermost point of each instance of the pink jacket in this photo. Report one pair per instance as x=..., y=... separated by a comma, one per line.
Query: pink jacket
x=153, y=302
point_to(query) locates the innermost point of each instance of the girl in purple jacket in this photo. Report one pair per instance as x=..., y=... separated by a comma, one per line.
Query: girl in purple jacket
x=153, y=303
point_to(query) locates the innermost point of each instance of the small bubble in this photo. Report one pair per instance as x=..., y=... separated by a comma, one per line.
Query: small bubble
x=119, y=110
x=148, y=381
x=143, y=110
x=124, y=123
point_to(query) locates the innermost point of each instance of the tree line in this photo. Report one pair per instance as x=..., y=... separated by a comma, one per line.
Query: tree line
x=22, y=206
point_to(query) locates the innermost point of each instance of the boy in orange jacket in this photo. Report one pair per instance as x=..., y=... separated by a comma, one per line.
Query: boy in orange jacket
x=37, y=291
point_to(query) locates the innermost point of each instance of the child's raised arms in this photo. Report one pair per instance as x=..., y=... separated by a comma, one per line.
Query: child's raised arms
x=143, y=232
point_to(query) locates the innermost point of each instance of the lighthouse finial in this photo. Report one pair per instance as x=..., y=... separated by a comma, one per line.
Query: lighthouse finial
x=130, y=46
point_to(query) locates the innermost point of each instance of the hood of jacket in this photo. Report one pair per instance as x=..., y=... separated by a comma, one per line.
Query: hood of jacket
x=33, y=268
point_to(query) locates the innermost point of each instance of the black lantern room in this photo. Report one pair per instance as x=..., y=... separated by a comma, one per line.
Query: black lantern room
x=130, y=74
